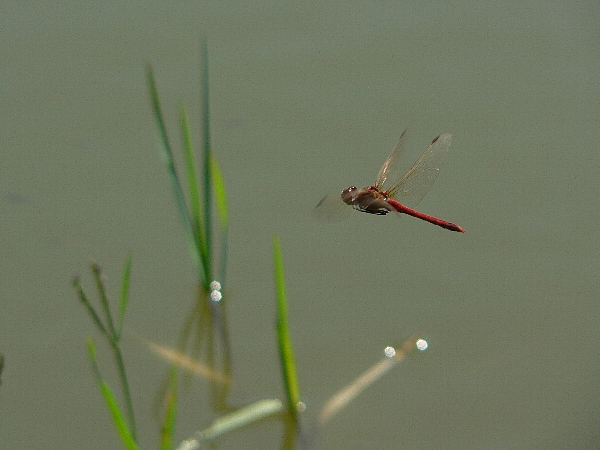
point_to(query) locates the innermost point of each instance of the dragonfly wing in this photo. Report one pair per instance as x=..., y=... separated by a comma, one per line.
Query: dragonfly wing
x=390, y=166
x=331, y=208
x=415, y=183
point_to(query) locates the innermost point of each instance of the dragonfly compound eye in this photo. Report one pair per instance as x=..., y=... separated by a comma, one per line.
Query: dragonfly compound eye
x=349, y=194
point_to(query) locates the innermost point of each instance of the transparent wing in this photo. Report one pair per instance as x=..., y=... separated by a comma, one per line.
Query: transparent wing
x=331, y=208
x=390, y=166
x=415, y=183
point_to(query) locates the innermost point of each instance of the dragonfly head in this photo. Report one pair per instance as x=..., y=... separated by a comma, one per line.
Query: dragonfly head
x=349, y=195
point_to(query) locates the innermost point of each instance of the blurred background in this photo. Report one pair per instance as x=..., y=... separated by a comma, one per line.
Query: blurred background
x=306, y=99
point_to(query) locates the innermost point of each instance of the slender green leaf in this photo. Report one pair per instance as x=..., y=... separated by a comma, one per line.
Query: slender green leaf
x=158, y=115
x=92, y=353
x=97, y=271
x=192, y=174
x=221, y=200
x=174, y=177
x=220, y=194
x=83, y=297
x=196, y=211
x=206, y=147
x=125, y=387
x=124, y=294
x=111, y=402
x=111, y=336
x=119, y=420
x=168, y=427
x=283, y=334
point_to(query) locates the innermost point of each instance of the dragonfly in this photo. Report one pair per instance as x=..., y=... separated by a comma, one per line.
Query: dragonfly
x=409, y=190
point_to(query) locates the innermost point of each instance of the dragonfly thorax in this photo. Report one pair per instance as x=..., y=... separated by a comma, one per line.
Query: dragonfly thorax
x=370, y=200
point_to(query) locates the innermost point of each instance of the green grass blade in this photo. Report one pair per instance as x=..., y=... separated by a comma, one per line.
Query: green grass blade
x=168, y=427
x=111, y=402
x=196, y=211
x=86, y=303
x=110, y=333
x=190, y=163
x=206, y=148
x=286, y=350
x=117, y=416
x=158, y=115
x=125, y=387
x=172, y=171
x=124, y=295
x=97, y=272
x=92, y=354
x=221, y=200
x=220, y=194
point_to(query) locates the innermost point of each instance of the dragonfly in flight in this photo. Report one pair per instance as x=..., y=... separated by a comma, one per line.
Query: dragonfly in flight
x=403, y=195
